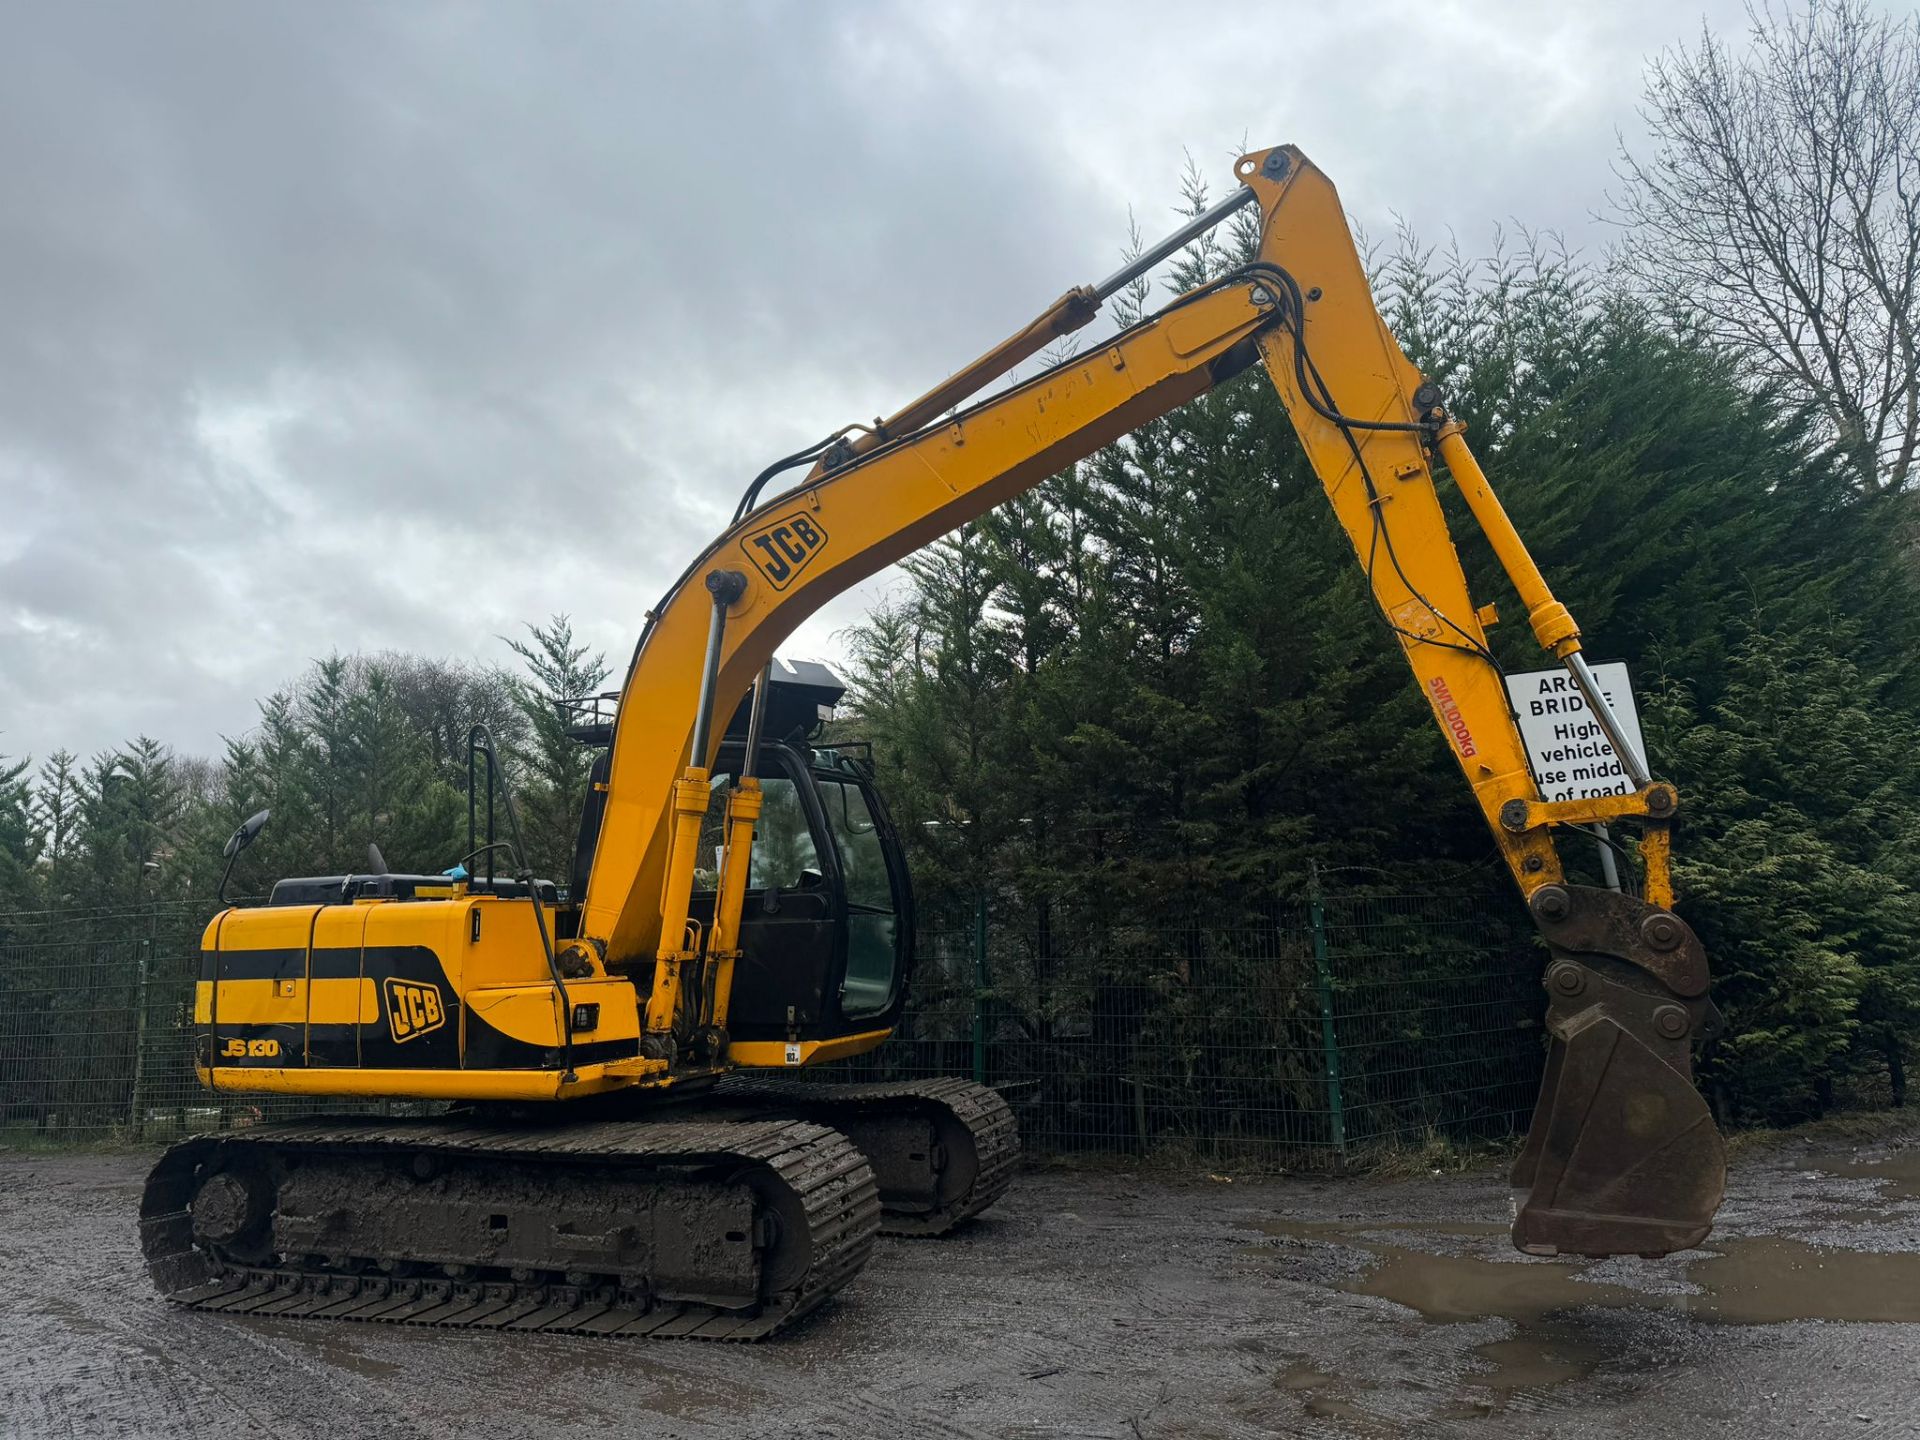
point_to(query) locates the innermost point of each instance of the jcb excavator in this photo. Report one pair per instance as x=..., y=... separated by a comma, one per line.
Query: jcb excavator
x=610, y=1164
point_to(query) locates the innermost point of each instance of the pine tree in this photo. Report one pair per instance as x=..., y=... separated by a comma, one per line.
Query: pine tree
x=20, y=838
x=552, y=767
x=272, y=769
x=399, y=800
x=56, y=803
x=328, y=761
x=130, y=809
x=1801, y=864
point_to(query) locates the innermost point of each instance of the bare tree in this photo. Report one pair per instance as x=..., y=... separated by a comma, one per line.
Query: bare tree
x=444, y=698
x=1779, y=212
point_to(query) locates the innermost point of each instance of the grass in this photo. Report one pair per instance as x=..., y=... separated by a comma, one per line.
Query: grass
x=1848, y=1127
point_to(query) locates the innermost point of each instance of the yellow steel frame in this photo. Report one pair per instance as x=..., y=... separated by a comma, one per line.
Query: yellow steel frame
x=425, y=1084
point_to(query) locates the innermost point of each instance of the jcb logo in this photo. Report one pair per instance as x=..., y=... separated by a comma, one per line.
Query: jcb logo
x=413, y=1009
x=781, y=550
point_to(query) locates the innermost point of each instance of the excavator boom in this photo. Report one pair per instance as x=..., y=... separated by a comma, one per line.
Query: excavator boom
x=1623, y=1154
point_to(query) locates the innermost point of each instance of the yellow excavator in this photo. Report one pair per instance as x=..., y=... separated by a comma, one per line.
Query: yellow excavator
x=622, y=1155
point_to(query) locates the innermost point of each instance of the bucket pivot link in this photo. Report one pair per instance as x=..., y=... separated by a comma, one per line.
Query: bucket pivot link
x=1623, y=1156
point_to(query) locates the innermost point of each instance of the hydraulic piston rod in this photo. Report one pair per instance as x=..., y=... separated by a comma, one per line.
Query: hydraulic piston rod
x=1589, y=687
x=1067, y=314
x=726, y=586
x=1552, y=625
x=1200, y=224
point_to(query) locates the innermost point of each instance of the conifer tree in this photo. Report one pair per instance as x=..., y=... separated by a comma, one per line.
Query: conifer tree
x=20, y=838
x=56, y=805
x=552, y=766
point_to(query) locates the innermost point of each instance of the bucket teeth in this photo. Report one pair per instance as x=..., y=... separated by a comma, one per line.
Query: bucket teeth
x=1623, y=1156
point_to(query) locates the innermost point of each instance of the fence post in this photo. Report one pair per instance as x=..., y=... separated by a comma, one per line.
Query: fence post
x=144, y=973
x=980, y=988
x=1323, y=982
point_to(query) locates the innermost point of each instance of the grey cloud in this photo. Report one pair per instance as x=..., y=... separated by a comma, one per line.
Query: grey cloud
x=364, y=326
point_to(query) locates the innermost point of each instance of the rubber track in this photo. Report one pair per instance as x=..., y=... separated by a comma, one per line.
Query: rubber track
x=824, y=1169
x=979, y=1108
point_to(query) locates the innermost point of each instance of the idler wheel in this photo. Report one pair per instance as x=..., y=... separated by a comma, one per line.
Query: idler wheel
x=230, y=1206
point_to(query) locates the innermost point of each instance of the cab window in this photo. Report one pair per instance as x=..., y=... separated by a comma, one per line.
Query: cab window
x=783, y=853
x=872, y=926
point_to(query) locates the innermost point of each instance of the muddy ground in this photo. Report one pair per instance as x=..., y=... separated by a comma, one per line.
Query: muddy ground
x=1086, y=1304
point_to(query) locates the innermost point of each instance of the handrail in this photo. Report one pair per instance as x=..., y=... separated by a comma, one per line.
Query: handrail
x=480, y=740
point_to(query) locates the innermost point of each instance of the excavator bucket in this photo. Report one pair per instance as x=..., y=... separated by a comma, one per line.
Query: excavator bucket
x=1623, y=1156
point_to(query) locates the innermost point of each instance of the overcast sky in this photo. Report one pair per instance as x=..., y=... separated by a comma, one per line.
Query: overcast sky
x=355, y=327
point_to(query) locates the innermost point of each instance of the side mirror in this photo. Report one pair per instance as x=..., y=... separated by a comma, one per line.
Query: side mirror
x=246, y=834
x=237, y=842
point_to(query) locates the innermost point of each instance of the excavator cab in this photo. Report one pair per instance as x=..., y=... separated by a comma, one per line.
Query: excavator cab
x=826, y=931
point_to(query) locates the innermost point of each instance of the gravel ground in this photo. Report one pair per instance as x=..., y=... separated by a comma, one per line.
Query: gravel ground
x=1086, y=1304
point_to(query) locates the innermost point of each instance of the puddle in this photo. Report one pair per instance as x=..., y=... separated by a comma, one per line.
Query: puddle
x=1858, y=1217
x=1304, y=1377
x=1330, y=1407
x=1747, y=1281
x=1762, y=1280
x=1898, y=1173
x=1769, y=1279
x=1320, y=1394
x=1533, y=1362
x=331, y=1347
x=1451, y=1289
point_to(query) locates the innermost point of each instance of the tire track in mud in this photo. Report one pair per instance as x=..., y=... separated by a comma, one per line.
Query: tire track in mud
x=1077, y=1307
x=120, y=1383
x=96, y=1353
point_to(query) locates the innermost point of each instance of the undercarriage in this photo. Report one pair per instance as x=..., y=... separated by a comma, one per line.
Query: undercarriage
x=727, y=1222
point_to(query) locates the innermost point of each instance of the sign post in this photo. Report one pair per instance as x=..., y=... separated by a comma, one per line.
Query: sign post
x=1566, y=745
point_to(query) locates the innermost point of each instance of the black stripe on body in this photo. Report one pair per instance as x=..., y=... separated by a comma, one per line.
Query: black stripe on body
x=491, y=1049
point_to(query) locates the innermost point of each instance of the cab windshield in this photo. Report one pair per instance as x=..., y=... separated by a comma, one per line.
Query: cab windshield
x=783, y=853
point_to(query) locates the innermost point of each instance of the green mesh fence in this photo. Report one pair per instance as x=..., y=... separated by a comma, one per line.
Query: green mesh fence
x=1322, y=1034
x=1337, y=1030
x=96, y=1010
x=96, y=1032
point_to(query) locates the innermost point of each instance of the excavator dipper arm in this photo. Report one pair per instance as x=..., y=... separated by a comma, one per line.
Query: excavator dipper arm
x=1623, y=1155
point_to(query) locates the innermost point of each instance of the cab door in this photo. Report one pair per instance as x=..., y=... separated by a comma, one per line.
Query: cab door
x=876, y=902
x=790, y=921
x=826, y=930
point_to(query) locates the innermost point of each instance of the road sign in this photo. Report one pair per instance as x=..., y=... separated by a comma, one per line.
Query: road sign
x=1565, y=745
